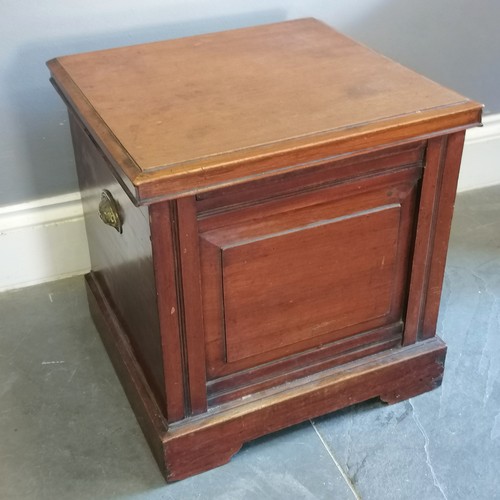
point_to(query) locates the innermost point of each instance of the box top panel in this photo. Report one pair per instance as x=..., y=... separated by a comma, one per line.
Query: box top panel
x=183, y=107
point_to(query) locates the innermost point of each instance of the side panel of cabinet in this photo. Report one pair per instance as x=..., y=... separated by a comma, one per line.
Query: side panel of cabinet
x=122, y=264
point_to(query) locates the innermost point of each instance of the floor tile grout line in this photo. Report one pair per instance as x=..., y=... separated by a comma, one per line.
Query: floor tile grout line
x=347, y=479
x=435, y=479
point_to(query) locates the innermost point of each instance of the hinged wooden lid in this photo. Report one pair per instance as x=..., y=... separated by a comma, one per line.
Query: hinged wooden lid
x=185, y=115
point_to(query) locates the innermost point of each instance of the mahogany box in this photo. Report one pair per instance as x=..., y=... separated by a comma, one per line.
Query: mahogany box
x=268, y=213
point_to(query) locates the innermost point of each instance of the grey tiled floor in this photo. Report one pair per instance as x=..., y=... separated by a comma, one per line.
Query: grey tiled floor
x=67, y=432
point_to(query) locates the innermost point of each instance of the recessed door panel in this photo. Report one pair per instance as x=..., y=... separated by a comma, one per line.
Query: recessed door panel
x=309, y=281
x=324, y=270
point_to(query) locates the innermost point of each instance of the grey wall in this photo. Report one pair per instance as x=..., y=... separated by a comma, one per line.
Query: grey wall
x=452, y=41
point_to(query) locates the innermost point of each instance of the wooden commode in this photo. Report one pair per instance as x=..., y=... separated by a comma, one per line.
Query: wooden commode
x=268, y=212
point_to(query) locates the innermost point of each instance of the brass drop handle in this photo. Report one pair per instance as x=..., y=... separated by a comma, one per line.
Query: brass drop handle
x=108, y=211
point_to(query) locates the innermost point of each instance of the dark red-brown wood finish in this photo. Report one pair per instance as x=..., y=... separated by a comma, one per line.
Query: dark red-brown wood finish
x=286, y=203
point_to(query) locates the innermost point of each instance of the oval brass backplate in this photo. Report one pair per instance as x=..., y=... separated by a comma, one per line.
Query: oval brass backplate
x=108, y=211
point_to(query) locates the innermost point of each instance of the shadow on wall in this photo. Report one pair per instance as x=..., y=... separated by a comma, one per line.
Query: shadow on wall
x=41, y=116
x=454, y=43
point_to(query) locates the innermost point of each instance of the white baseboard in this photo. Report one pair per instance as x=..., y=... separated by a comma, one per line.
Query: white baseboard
x=481, y=159
x=44, y=240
